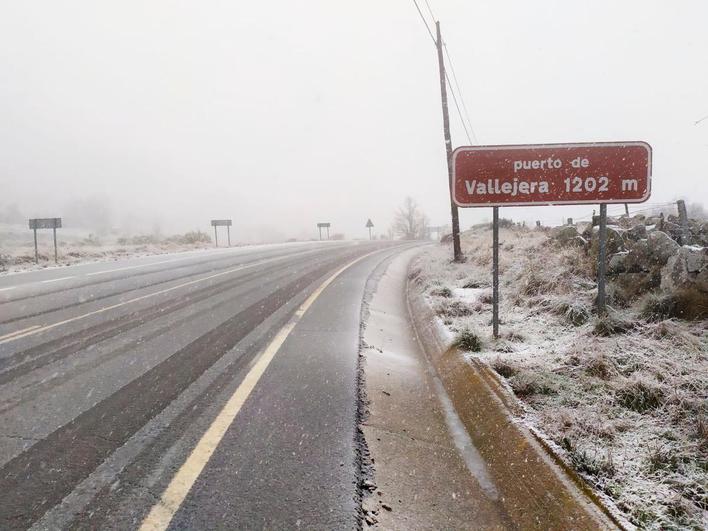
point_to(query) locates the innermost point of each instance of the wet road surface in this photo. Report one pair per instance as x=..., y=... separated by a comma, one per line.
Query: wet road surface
x=111, y=374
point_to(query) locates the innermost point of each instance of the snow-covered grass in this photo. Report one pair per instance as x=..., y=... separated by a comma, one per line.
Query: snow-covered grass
x=76, y=246
x=625, y=398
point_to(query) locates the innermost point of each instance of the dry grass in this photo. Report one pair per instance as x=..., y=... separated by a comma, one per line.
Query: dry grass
x=626, y=397
x=683, y=304
x=469, y=341
x=575, y=312
x=641, y=394
x=609, y=325
x=504, y=367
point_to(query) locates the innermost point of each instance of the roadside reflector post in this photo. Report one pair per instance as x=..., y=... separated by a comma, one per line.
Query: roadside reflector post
x=683, y=221
x=601, y=308
x=495, y=272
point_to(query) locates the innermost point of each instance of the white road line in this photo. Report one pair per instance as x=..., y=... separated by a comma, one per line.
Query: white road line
x=55, y=279
x=156, y=263
x=38, y=328
x=135, y=266
x=164, y=510
x=8, y=289
x=17, y=332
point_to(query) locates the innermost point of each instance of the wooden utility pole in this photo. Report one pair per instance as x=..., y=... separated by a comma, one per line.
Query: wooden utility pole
x=457, y=249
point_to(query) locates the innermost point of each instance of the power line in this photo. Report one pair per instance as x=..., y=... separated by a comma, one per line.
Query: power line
x=425, y=22
x=427, y=4
x=452, y=92
x=457, y=105
x=459, y=90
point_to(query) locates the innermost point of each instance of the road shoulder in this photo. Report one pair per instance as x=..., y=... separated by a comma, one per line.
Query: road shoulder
x=420, y=457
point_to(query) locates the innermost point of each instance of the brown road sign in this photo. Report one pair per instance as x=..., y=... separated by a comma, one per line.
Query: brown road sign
x=551, y=174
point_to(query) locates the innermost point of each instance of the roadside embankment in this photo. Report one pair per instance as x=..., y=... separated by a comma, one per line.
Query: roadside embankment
x=444, y=453
x=622, y=401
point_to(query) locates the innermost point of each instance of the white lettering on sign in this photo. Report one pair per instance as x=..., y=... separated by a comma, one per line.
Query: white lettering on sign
x=537, y=164
x=493, y=186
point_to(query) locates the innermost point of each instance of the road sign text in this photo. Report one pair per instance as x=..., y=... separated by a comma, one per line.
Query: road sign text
x=548, y=174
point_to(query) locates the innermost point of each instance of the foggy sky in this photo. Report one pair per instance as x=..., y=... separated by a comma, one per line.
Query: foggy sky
x=282, y=114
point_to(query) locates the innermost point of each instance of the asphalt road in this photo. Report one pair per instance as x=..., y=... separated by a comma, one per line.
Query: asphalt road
x=111, y=374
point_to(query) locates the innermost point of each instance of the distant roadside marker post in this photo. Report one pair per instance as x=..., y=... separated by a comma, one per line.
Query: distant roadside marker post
x=45, y=223
x=221, y=223
x=321, y=226
x=369, y=225
x=551, y=174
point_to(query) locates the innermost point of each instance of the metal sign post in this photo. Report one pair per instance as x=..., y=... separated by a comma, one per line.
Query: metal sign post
x=45, y=223
x=551, y=174
x=601, y=257
x=221, y=223
x=369, y=225
x=495, y=272
x=321, y=226
x=36, y=252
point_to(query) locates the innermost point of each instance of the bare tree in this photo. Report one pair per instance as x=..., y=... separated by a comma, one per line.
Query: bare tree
x=409, y=222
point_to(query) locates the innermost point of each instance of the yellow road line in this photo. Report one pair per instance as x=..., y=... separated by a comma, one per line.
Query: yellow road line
x=17, y=332
x=164, y=510
x=37, y=328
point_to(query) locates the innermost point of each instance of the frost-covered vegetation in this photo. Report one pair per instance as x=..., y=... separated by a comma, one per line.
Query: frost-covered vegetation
x=624, y=398
x=75, y=246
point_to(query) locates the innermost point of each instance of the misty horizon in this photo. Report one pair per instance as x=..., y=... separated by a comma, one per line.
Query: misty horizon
x=164, y=116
